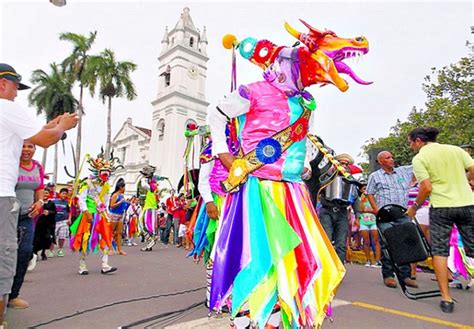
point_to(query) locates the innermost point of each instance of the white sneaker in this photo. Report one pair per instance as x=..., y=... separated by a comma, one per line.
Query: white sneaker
x=377, y=265
x=134, y=244
x=368, y=264
x=129, y=244
x=32, y=263
x=108, y=269
x=83, y=270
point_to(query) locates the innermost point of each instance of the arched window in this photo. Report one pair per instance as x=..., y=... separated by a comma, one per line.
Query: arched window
x=191, y=42
x=160, y=127
x=167, y=76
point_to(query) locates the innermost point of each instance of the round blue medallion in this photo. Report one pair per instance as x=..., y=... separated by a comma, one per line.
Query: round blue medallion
x=268, y=150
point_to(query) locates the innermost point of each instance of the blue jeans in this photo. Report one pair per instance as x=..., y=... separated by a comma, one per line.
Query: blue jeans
x=25, y=248
x=387, y=269
x=335, y=223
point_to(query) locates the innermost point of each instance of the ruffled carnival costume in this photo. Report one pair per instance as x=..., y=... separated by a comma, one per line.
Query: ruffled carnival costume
x=212, y=172
x=91, y=233
x=148, y=217
x=271, y=251
x=458, y=262
x=131, y=228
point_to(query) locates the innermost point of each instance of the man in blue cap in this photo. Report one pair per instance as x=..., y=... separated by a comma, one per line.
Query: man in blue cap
x=17, y=125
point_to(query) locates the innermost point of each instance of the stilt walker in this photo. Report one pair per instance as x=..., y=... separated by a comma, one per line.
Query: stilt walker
x=211, y=174
x=148, y=217
x=271, y=255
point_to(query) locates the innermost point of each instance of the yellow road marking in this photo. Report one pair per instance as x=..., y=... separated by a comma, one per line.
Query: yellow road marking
x=413, y=316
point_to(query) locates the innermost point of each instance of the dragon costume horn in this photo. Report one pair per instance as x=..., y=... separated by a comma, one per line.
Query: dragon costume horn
x=292, y=31
x=312, y=30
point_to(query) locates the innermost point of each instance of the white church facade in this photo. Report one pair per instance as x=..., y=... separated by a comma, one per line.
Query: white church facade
x=180, y=100
x=131, y=145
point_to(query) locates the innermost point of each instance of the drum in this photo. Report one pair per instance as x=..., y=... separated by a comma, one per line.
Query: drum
x=341, y=189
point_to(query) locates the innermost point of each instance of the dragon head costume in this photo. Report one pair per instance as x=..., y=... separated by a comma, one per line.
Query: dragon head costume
x=102, y=168
x=319, y=61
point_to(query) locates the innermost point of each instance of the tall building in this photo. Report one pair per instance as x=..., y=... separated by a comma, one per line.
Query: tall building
x=181, y=96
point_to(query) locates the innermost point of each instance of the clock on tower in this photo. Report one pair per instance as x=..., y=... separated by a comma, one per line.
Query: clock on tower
x=193, y=72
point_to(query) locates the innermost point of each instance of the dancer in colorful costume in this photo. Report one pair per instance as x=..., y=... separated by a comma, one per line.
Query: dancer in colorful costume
x=91, y=230
x=148, y=217
x=211, y=173
x=271, y=250
x=131, y=225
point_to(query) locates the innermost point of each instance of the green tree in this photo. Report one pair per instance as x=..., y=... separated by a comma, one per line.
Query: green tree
x=75, y=66
x=52, y=96
x=113, y=80
x=449, y=107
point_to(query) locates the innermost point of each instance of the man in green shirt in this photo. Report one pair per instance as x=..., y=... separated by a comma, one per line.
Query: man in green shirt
x=441, y=172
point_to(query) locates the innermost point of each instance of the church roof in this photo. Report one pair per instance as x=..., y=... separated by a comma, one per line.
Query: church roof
x=145, y=130
x=185, y=20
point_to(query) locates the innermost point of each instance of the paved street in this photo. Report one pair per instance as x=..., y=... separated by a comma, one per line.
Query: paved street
x=147, y=290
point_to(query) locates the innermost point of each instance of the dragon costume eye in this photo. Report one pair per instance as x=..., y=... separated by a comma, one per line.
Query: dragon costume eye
x=247, y=47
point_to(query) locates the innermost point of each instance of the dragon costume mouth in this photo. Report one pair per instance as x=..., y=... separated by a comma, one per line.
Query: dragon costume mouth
x=335, y=49
x=338, y=56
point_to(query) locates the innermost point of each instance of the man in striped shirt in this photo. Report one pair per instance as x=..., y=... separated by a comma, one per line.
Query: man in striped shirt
x=390, y=185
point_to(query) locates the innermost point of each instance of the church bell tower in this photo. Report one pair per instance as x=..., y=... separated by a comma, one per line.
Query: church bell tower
x=181, y=96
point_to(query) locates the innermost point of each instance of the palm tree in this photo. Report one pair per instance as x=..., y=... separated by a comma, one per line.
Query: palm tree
x=113, y=79
x=75, y=66
x=52, y=96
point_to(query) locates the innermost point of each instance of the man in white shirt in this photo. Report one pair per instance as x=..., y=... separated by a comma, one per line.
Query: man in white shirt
x=16, y=125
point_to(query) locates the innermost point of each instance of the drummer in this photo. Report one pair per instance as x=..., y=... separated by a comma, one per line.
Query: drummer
x=333, y=213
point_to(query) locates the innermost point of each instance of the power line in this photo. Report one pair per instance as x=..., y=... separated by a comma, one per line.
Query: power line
x=170, y=318
x=123, y=302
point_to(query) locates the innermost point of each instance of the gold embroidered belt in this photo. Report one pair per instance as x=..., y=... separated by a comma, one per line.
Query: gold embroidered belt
x=267, y=151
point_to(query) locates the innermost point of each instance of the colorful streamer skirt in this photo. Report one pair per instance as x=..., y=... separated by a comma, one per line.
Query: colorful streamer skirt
x=458, y=262
x=87, y=236
x=148, y=221
x=132, y=227
x=192, y=221
x=204, y=231
x=271, y=249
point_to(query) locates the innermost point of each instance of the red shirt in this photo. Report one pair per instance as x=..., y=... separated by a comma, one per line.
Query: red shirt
x=180, y=212
x=170, y=204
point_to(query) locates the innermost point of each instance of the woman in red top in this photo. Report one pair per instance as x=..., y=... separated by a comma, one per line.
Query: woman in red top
x=179, y=216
